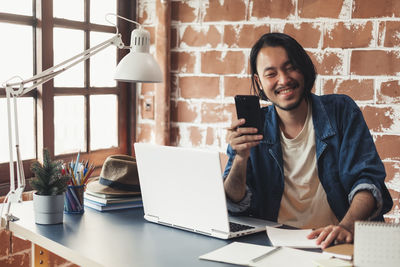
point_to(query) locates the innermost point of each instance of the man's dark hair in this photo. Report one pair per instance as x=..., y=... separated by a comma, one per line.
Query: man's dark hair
x=296, y=54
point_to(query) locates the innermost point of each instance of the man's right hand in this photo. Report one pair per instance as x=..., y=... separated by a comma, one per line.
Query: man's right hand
x=242, y=139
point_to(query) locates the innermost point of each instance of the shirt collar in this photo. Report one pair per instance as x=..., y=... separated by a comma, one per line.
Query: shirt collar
x=322, y=125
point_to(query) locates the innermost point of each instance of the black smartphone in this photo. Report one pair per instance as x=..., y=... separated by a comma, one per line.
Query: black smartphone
x=248, y=108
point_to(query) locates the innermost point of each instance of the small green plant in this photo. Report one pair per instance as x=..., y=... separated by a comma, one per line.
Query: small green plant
x=48, y=180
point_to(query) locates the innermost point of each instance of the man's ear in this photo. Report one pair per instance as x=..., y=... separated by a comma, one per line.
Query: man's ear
x=260, y=88
x=258, y=81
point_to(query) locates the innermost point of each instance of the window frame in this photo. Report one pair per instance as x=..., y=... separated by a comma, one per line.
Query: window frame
x=42, y=23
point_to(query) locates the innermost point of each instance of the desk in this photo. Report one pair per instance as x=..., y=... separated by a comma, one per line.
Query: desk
x=119, y=238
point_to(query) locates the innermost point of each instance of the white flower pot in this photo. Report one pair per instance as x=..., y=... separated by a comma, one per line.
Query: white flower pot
x=48, y=209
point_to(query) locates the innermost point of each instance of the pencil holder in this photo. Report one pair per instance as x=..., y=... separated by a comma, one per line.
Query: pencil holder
x=73, y=200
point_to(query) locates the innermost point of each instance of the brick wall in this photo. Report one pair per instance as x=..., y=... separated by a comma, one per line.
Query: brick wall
x=353, y=43
x=18, y=252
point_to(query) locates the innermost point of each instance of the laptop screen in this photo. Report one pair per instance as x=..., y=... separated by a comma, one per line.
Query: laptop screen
x=182, y=186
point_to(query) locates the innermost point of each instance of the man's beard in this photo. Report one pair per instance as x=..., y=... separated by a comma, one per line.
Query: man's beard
x=295, y=105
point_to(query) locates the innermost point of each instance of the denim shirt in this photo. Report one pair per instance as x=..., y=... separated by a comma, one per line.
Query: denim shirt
x=347, y=161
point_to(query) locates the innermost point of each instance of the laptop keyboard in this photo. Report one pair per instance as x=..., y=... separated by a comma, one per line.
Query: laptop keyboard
x=236, y=227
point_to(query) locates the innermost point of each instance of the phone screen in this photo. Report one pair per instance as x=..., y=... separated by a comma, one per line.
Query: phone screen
x=248, y=107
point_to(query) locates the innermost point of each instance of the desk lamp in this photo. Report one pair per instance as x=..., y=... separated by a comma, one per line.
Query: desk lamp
x=138, y=66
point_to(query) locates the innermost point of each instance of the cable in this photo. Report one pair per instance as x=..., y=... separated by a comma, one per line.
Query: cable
x=118, y=16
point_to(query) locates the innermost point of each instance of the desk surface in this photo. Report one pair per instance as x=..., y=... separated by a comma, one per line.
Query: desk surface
x=119, y=238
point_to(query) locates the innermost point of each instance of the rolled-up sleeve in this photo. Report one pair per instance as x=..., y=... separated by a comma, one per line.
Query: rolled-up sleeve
x=241, y=206
x=374, y=191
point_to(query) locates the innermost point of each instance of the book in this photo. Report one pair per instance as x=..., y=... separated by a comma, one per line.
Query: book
x=116, y=206
x=376, y=244
x=342, y=251
x=110, y=200
x=245, y=254
x=290, y=237
x=111, y=195
x=138, y=201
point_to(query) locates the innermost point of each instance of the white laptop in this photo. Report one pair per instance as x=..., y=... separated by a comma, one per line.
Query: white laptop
x=183, y=188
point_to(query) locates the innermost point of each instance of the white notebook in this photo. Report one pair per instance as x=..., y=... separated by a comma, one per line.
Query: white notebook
x=376, y=244
x=296, y=238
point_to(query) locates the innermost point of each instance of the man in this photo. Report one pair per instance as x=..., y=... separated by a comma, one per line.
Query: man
x=316, y=165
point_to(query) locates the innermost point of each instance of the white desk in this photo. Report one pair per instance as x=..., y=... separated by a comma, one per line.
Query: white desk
x=119, y=238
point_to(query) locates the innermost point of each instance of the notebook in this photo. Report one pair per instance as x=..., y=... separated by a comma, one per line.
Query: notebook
x=343, y=251
x=296, y=238
x=183, y=188
x=376, y=244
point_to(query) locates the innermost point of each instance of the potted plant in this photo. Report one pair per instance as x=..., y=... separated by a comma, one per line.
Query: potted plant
x=50, y=184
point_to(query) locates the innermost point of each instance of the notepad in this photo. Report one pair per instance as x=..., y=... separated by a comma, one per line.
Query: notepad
x=376, y=244
x=256, y=255
x=343, y=251
x=296, y=238
x=333, y=262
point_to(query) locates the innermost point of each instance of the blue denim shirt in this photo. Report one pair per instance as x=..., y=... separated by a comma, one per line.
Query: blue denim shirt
x=347, y=161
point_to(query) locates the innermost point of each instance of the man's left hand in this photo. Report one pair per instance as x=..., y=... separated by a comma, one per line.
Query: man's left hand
x=331, y=233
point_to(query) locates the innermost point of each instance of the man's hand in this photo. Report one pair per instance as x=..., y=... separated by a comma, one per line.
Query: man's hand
x=361, y=207
x=242, y=139
x=331, y=233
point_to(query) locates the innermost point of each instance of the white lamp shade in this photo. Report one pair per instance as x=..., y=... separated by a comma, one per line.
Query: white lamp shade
x=138, y=67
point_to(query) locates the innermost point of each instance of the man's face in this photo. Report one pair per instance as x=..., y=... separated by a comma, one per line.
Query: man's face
x=283, y=84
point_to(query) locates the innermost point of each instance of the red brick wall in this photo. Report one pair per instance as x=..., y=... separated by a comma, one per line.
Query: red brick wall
x=353, y=43
x=18, y=252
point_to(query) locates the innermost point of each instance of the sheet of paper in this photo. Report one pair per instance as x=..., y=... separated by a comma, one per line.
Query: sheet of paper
x=259, y=256
x=237, y=253
x=290, y=257
x=333, y=262
x=290, y=237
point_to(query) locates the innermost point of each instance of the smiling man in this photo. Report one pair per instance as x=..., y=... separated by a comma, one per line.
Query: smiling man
x=316, y=166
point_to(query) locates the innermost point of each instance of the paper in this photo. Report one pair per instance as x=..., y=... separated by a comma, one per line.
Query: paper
x=290, y=257
x=259, y=256
x=290, y=237
x=237, y=253
x=333, y=262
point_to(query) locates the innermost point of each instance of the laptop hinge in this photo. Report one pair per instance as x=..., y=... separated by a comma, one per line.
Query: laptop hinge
x=204, y=233
x=152, y=217
x=165, y=223
x=183, y=228
x=220, y=232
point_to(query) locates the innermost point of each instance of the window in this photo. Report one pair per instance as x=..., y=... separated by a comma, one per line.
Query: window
x=82, y=109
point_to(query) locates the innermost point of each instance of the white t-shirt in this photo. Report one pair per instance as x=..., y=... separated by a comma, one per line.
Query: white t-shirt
x=304, y=203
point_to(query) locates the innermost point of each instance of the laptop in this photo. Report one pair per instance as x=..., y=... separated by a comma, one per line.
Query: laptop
x=183, y=188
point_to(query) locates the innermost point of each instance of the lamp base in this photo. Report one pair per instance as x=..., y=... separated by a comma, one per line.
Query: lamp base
x=12, y=218
x=6, y=219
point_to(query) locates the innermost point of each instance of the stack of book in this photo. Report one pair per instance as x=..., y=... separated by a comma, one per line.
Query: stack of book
x=105, y=202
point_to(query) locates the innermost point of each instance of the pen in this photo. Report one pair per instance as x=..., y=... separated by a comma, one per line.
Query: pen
x=76, y=163
x=262, y=256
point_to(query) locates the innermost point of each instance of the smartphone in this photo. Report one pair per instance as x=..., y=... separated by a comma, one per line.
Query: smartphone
x=248, y=108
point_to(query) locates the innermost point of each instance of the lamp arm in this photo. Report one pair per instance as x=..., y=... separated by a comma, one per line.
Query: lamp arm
x=50, y=73
x=15, y=193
